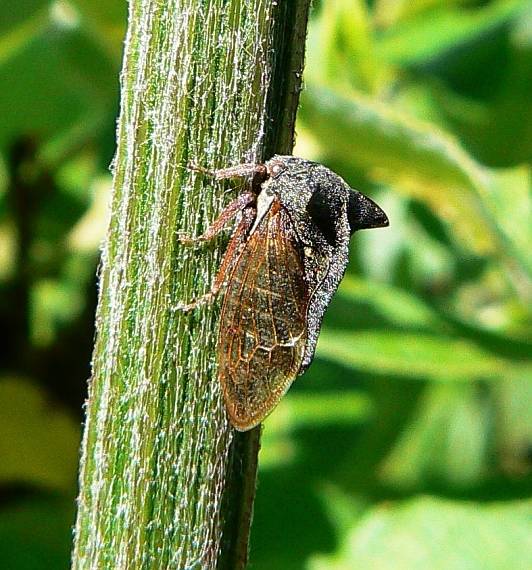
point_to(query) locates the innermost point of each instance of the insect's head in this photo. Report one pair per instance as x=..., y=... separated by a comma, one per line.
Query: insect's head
x=278, y=164
x=308, y=188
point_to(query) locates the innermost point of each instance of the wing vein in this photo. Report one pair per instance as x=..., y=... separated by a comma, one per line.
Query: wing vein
x=262, y=331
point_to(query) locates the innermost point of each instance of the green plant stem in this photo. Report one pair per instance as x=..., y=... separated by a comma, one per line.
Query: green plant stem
x=164, y=481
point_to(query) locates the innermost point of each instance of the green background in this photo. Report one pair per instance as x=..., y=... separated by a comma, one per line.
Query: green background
x=408, y=444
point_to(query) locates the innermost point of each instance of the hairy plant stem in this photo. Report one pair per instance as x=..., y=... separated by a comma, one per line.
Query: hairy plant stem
x=165, y=482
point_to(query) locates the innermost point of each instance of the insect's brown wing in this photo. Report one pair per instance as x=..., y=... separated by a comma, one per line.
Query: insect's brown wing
x=263, y=321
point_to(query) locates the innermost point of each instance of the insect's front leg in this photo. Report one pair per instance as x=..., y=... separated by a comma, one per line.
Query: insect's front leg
x=230, y=257
x=258, y=173
x=227, y=214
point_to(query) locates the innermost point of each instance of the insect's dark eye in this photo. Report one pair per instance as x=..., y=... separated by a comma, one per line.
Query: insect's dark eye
x=323, y=212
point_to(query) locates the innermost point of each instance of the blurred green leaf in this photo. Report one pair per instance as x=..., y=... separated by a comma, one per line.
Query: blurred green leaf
x=440, y=535
x=446, y=441
x=432, y=33
x=35, y=533
x=38, y=444
x=16, y=12
x=19, y=27
x=104, y=21
x=342, y=509
x=514, y=423
x=392, y=12
x=411, y=355
x=415, y=157
x=509, y=200
x=394, y=146
x=69, y=77
x=394, y=305
x=309, y=410
x=342, y=46
x=319, y=409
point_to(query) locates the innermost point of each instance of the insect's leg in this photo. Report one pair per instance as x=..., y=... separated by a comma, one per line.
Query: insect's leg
x=257, y=172
x=227, y=214
x=228, y=262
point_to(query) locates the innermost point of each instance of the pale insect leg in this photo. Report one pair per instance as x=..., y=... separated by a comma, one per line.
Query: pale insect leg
x=230, y=257
x=227, y=214
x=257, y=172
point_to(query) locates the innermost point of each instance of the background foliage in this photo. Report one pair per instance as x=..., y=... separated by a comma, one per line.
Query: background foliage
x=409, y=442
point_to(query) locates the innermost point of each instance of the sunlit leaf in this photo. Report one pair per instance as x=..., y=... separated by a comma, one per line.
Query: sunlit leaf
x=410, y=355
x=510, y=201
x=392, y=12
x=413, y=156
x=319, y=409
x=514, y=423
x=342, y=509
x=441, y=535
x=342, y=46
x=391, y=145
x=446, y=441
x=434, y=32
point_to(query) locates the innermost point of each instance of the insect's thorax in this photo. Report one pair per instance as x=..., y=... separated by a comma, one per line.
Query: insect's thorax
x=264, y=203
